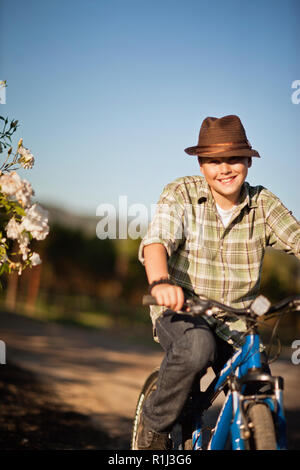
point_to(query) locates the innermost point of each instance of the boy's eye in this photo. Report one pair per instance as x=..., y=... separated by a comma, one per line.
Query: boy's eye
x=230, y=161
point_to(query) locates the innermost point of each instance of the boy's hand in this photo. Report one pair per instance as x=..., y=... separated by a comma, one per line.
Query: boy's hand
x=168, y=295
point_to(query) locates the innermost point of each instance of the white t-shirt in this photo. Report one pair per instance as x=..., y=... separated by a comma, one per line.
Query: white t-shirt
x=225, y=214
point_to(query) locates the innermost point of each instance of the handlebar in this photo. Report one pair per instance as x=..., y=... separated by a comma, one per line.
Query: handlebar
x=260, y=306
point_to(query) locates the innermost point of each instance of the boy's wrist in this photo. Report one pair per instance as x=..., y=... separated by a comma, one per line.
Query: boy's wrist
x=162, y=280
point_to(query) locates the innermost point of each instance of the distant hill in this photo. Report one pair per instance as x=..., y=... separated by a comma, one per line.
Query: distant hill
x=66, y=218
x=86, y=223
x=285, y=268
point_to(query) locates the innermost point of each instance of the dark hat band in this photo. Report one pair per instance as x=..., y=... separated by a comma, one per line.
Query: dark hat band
x=223, y=147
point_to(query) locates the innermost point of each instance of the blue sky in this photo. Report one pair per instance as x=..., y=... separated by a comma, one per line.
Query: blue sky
x=110, y=92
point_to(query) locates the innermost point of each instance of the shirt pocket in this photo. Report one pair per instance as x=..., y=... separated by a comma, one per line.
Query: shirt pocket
x=201, y=251
x=246, y=255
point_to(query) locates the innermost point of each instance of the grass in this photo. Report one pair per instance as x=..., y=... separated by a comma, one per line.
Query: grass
x=133, y=324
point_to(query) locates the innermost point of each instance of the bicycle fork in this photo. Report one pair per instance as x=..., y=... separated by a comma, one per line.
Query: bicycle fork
x=232, y=419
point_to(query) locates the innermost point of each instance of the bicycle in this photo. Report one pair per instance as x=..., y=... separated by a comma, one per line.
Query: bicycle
x=252, y=416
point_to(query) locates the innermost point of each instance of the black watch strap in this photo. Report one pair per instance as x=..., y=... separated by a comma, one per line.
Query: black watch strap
x=163, y=280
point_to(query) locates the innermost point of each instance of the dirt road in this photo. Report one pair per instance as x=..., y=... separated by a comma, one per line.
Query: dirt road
x=98, y=374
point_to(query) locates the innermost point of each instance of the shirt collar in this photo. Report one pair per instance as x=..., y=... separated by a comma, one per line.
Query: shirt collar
x=246, y=198
x=203, y=191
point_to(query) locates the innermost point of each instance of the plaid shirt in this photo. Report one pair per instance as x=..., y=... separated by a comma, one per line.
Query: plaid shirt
x=221, y=263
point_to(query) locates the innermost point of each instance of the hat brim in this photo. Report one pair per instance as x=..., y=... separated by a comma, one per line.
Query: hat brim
x=229, y=153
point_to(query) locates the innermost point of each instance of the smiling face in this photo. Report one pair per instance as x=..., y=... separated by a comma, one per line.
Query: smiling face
x=225, y=177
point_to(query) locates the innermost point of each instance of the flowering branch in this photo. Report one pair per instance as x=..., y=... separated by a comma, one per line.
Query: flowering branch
x=21, y=221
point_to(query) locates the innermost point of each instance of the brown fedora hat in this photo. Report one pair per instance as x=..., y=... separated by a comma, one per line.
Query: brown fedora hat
x=223, y=137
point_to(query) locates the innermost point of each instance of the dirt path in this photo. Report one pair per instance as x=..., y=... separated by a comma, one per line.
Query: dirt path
x=95, y=373
x=98, y=375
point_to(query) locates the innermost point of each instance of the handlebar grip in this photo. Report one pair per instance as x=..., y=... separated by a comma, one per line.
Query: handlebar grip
x=149, y=300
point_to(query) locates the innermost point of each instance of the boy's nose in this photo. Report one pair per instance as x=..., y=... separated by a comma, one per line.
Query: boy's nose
x=225, y=168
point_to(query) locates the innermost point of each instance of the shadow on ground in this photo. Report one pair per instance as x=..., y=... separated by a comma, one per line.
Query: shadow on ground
x=31, y=418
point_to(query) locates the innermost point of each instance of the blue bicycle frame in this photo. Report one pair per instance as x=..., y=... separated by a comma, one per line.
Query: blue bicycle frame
x=242, y=368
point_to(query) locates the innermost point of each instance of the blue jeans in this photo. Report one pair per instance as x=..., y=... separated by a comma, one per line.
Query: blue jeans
x=191, y=347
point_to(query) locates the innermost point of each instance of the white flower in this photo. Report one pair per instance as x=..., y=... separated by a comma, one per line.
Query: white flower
x=23, y=245
x=12, y=185
x=26, y=158
x=23, y=195
x=13, y=229
x=35, y=259
x=36, y=222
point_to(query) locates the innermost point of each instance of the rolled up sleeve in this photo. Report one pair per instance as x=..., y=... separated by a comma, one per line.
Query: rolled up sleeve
x=283, y=229
x=167, y=226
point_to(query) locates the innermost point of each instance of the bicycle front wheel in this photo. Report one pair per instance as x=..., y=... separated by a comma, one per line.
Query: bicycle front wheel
x=261, y=424
x=148, y=388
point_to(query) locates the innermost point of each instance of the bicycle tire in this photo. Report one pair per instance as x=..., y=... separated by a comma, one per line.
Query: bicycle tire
x=263, y=436
x=148, y=387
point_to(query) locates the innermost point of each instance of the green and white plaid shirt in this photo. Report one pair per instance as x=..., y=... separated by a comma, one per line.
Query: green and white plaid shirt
x=221, y=263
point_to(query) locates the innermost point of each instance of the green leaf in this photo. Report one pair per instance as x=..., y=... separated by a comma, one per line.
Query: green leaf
x=19, y=210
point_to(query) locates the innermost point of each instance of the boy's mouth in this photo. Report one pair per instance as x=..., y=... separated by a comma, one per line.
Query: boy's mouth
x=226, y=180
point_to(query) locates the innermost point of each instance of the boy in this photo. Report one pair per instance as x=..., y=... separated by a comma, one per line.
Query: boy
x=208, y=237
